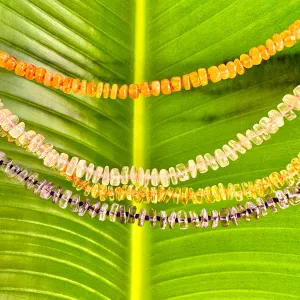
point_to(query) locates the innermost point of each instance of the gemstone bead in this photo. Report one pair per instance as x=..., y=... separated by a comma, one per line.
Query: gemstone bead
x=224, y=71
x=48, y=79
x=133, y=91
x=246, y=61
x=62, y=162
x=154, y=177
x=230, y=153
x=192, y=168
x=145, y=90
x=17, y=131
x=99, y=90
x=51, y=158
x=201, y=164
x=194, y=79
x=106, y=89
x=278, y=41
x=113, y=91
x=261, y=132
x=123, y=91
x=97, y=174
x=123, y=219
x=210, y=161
x=283, y=201
x=233, y=216
x=292, y=101
x=214, y=219
x=276, y=117
x=182, y=219
x=3, y=59
x=237, y=146
x=171, y=219
x=64, y=200
x=30, y=72
x=271, y=203
x=56, y=195
x=113, y=212
x=270, y=127
x=286, y=111
x=36, y=143
x=131, y=214
x=46, y=190
x=261, y=206
x=173, y=176
x=90, y=88
x=11, y=63
x=165, y=86
x=204, y=218
x=152, y=217
x=176, y=83
x=253, y=137
x=231, y=69
x=29, y=183
x=221, y=158
x=102, y=212
x=182, y=172
x=255, y=56
x=270, y=47
x=9, y=122
x=72, y=166
x=21, y=176
x=89, y=172
x=239, y=67
x=203, y=76
x=155, y=88
x=114, y=177
x=44, y=150
x=80, y=168
x=214, y=74
x=289, y=38
x=164, y=177
x=105, y=176
x=194, y=219
x=186, y=82
x=224, y=217
x=38, y=186
x=245, y=142
x=140, y=176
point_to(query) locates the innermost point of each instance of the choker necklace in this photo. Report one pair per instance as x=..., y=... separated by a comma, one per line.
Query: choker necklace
x=47, y=190
x=35, y=143
x=195, y=79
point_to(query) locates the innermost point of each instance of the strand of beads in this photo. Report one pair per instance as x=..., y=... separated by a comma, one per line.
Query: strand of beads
x=36, y=144
x=47, y=190
x=210, y=194
x=198, y=78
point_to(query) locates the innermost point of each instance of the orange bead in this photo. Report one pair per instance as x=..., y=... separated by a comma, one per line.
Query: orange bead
x=176, y=83
x=134, y=91
x=48, y=79
x=246, y=61
x=278, y=41
x=76, y=86
x=195, y=80
x=114, y=91
x=203, y=76
x=145, y=90
x=165, y=86
x=295, y=30
x=91, y=89
x=3, y=59
x=270, y=46
x=186, y=82
x=57, y=81
x=67, y=85
x=83, y=87
x=123, y=91
x=99, y=89
x=224, y=71
x=231, y=68
x=239, y=67
x=30, y=72
x=288, y=38
x=106, y=90
x=214, y=74
x=40, y=74
x=11, y=63
x=255, y=56
x=21, y=68
x=264, y=52
x=155, y=88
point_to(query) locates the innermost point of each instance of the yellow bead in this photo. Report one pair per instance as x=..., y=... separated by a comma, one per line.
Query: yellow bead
x=289, y=39
x=255, y=55
x=113, y=91
x=215, y=193
x=214, y=74
x=224, y=71
x=208, y=195
x=83, y=87
x=195, y=79
x=270, y=46
x=238, y=193
x=186, y=82
x=222, y=191
x=232, y=69
x=278, y=41
x=267, y=186
x=264, y=52
x=203, y=76
x=199, y=195
x=99, y=90
x=91, y=89
x=230, y=191
x=246, y=61
x=145, y=90
x=252, y=189
x=258, y=184
x=176, y=83
x=239, y=67
x=155, y=88
x=295, y=30
x=106, y=90
x=165, y=86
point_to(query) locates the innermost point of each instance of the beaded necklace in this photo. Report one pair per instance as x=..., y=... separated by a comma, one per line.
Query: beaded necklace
x=36, y=144
x=198, y=78
x=47, y=190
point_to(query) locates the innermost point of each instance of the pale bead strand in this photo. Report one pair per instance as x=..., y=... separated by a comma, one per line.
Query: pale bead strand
x=47, y=190
x=261, y=131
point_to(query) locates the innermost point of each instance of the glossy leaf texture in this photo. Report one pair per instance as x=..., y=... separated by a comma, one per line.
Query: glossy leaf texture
x=49, y=253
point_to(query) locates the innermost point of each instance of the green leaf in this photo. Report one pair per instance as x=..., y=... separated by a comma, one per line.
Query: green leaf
x=49, y=253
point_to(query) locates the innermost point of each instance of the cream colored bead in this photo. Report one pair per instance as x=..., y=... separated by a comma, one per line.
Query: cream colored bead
x=154, y=177
x=36, y=143
x=125, y=175
x=173, y=176
x=244, y=141
x=210, y=161
x=133, y=175
x=296, y=90
x=72, y=166
x=17, y=131
x=26, y=137
x=10, y=122
x=114, y=177
x=236, y=146
x=230, y=153
x=253, y=137
x=221, y=158
x=80, y=168
x=261, y=132
x=270, y=127
x=192, y=168
x=290, y=100
x=50, y=159
x=4, y=113
x=105, y=176
x=275, y=116
x=201, y=164
x=97, y=174
x=62, y=162
x=44, y=150
x=164, y=177
x=182, y=172
x=182, y=219
x=147, y=177
x=286, y=111
x=141, y=176
x=89, y=172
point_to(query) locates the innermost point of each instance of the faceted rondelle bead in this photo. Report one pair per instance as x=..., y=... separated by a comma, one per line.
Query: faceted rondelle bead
x=224, y=71
x=268, y=126
x=165, y=86
x=176, y=83
x=133, y=91
x=195, y=79
x=64, y=200
x=255, y=55
x=3, y=59
x=4, y=113
x=210, y=161
x=276, y=117
x=80, y=168
x=214, y=74
x=72, y=166
x=91, y=89
x=99, y=90
x=21, y=68
x=145, y=90
x=106, y=90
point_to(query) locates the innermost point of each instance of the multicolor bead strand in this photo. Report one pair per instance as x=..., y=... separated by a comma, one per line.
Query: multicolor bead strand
x=198, y=78
x=210, y=194
x=260, y=132
x=47, y=190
